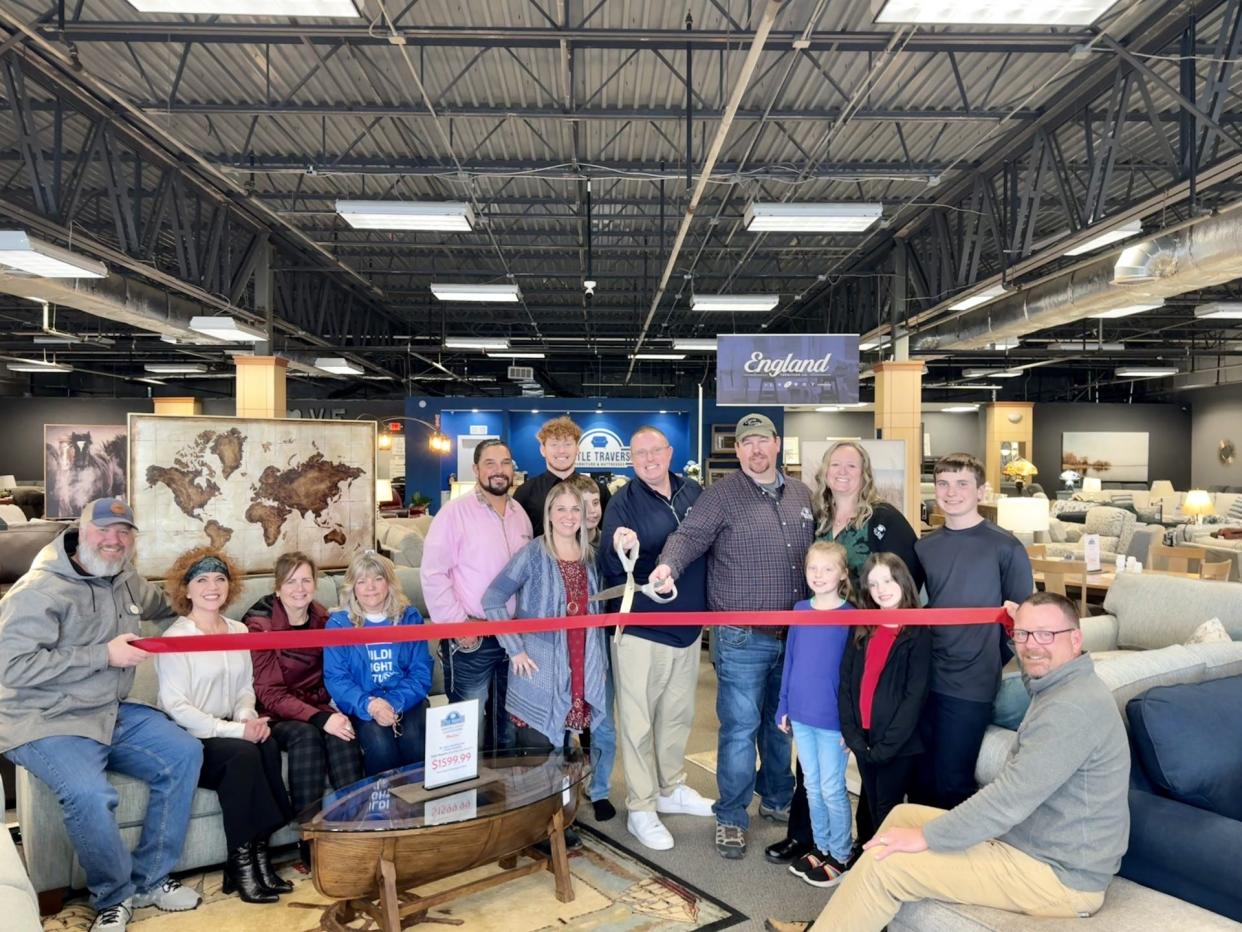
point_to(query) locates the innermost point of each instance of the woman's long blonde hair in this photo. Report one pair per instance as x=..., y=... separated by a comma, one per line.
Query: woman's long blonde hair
x=567, y=487
x=868, y=497
x=368, y=564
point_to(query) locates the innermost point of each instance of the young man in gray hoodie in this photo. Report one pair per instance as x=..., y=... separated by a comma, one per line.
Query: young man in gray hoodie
x=66, y=667
x=1046, y=836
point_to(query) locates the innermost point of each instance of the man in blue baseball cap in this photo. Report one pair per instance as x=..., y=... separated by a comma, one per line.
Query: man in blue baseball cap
x=66, y=667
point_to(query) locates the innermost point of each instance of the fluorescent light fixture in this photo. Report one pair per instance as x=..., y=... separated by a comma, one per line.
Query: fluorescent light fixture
x=869, y=345
x=226, y=328
x=983, y=297
x=741, y=303
x=960, y=409
x=1088, y=347
x=337, y=365
x=479, y=343
x=1222, y=310
x=1007, y=343
x=38, y=365
x=518, y=355
x=828, y=409
x=1134, y=228
x=1146, y=372
x=695, y=344
x=1128, y=310
x=495, y=293
x=175, y=368
x=991, y=373
x=342, y=9
x=653, y=356
x=811, y=218
x=994, y=12
x=19, y=250
x=151, y=381
x=449, y=216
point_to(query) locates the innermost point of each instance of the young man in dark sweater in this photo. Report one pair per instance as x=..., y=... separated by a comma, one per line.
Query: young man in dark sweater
x=558, y=444
x=970, y=562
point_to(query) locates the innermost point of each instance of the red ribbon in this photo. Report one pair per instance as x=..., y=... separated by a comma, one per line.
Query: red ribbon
x=345, y=637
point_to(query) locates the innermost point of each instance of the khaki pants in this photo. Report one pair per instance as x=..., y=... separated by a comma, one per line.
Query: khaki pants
x=655, y=685
x=988, y=874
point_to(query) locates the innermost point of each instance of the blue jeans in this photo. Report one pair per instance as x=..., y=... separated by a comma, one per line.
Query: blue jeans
x=748, y=674
x=822, y=756
x=145, y=745
x=481, y=674
x=604, y=738
x=384, y=749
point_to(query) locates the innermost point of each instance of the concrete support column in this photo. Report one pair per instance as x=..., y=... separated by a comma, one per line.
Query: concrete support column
x=181, y=406
x=899, y=416
x=1007, y=421
x=261, y=386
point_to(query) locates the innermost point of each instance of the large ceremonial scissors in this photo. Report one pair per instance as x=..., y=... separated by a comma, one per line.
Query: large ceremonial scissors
x=625, y=591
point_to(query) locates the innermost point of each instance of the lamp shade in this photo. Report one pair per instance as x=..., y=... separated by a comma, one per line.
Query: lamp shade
x=1197, y=502
x=1022, y=515
x=383, y=491
x=1161, y=488
x=1020, y=468
x=1091, y=484
x=7, y=483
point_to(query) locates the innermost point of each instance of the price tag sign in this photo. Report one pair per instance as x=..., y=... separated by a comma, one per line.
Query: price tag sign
x=456, y=808
x=1091, y=552
x=452, y=743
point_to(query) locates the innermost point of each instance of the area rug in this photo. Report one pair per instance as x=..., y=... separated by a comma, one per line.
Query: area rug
x=707, y=760
x=613, y=889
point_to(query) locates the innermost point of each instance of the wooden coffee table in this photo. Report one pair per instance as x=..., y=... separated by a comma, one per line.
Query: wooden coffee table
x=374, y=841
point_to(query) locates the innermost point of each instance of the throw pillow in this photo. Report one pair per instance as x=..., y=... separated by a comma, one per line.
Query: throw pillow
x=1208, y=632
x=1011, y=702
x=1123, y=499
x=1235, y=510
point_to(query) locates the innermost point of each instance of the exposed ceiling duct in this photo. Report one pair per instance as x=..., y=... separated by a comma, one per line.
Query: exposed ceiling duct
x=1205, y=254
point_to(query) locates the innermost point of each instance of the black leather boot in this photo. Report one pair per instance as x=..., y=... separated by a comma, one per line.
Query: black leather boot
x=242, y=874
x=270, y=878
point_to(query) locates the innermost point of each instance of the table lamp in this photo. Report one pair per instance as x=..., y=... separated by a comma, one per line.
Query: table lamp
x=383, y=492
x=1197, y=504
x=7, y=485
x=1161, y=488
x=1092, y=484
x=1020, y=470
x=1023, y=516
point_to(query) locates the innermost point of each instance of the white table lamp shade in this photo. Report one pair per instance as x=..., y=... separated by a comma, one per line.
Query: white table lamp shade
x=1197, y=502
x=1161, y=488
x=7, y=483
x=383, y=491
x=1022, y=515
x=1091, y=484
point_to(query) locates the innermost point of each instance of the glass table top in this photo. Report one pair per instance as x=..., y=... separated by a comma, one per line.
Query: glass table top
x=396, y=799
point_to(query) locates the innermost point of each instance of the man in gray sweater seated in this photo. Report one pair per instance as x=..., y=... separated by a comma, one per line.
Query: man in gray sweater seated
x=1046, y=836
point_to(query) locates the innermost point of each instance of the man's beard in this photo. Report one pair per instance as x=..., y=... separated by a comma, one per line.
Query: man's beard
x=97, y=564
x=502, y=481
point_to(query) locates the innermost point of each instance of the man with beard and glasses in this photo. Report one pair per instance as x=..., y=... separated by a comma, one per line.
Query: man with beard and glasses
x=469, y=542
x=66, y=666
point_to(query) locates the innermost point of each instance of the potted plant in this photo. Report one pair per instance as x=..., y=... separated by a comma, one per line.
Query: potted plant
x=419, y=503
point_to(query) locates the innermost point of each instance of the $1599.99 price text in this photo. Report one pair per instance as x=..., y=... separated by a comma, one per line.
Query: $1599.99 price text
x=451, y=760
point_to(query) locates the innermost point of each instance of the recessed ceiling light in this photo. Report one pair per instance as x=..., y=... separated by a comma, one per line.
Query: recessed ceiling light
x=811, y=218
x=994, y=12
x=507, y=294
x=19, y=250
x=1125, y=231
x=449, y=216
x=741, y=303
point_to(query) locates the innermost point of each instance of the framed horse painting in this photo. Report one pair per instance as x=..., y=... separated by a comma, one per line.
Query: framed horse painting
x=82, y=462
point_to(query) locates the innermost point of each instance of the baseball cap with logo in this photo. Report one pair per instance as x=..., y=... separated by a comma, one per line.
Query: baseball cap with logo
x=751, y=424
x=103, y=512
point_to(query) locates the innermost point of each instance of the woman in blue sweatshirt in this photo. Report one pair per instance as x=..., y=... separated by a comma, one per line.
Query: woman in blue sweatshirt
x=808, y=707
x=382, y=687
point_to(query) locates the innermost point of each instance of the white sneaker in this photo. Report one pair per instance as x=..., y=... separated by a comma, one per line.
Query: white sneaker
x=685, y=801
x=112, y=918
x=648, y=829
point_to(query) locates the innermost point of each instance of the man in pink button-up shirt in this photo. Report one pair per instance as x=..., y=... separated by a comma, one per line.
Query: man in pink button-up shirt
x=469, y=542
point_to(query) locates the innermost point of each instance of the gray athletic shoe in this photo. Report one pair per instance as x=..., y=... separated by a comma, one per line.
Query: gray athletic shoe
x=730, y=841
x=776, y=815
x=171, y=896
x=112, y=918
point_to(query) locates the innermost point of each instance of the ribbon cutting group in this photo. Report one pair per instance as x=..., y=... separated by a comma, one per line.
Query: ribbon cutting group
x=577, y=617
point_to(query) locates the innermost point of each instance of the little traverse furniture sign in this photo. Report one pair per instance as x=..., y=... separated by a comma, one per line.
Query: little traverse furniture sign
x=786, y=368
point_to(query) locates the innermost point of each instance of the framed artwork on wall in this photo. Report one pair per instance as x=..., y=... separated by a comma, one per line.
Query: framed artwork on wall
x=1112, y=456
x=82, y=462
x=723, y=439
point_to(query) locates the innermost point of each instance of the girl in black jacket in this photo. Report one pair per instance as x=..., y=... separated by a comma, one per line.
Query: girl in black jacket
x=884, y=678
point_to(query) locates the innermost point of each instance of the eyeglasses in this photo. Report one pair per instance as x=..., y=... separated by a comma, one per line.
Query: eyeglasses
x=647, y=454
x=1020, y=635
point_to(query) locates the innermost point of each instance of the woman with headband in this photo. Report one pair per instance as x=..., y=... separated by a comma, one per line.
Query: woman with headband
x=382, y=687
x=211, y=695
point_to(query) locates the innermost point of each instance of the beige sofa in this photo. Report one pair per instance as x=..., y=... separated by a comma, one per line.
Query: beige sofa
x=1137, y=645
x=18, y=904
x=1119, y=531
x=50, y=857
x=402, y=538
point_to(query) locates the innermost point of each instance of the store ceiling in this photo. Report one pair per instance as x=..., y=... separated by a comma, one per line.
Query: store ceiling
x=179, y=148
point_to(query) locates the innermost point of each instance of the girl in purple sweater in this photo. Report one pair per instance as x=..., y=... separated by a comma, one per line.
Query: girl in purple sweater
x=808, y=707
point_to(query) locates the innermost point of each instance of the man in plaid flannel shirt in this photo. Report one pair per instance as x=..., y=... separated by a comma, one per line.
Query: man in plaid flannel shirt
x=755, y=527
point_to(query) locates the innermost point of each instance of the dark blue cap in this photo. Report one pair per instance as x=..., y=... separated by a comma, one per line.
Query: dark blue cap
x=103, y=512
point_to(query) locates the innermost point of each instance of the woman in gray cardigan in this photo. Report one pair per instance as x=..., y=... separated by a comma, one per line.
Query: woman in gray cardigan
x=556, y=682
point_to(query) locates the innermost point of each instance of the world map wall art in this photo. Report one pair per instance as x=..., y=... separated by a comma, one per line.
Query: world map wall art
x=254, y=487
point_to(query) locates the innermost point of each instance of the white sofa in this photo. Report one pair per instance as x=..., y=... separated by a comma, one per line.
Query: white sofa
x=1118, y=530
x=18, y=903
x=50, y=857
x=1138, y=645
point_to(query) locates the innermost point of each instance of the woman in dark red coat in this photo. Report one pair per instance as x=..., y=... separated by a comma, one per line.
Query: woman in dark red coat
x=289, y=687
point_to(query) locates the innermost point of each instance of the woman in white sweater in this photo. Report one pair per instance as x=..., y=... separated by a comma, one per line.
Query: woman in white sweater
x=211, y=695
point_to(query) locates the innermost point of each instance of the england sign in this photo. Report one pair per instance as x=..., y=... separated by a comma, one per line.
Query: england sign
x=785, y=369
